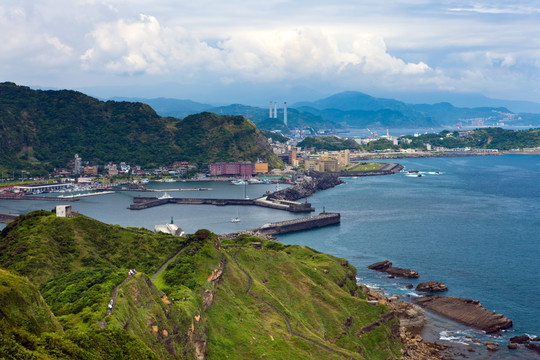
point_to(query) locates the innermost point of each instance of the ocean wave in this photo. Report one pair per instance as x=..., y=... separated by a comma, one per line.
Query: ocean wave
x=446, y=335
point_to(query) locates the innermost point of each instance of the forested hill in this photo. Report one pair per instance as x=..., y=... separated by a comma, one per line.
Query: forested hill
x=45, y=129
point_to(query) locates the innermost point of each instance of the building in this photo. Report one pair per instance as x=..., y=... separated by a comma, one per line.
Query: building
x=321, y=165
x=63, y=211
x=90, y=170
x=77, y=165
x=240, y=168
x=328, y=161
x=261, y=168
x=169, y=229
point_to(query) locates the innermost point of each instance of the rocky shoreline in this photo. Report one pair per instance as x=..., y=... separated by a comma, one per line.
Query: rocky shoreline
x=464, y=311
x=313, y=182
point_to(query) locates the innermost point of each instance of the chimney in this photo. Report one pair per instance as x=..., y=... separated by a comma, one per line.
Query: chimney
x=285, y=113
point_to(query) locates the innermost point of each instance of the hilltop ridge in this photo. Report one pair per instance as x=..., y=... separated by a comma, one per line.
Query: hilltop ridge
x=218, y=298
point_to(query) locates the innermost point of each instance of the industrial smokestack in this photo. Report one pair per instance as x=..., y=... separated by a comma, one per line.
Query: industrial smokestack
x=275, y=110
x=270, y=114
x=285, y=113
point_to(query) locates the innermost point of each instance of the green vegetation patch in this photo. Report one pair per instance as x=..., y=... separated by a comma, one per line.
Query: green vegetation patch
x=364, y=166
x=314, y=292
x=329, y=143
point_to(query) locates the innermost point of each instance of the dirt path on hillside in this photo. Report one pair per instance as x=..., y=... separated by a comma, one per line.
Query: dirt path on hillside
x=103, y=323
x=282, y=315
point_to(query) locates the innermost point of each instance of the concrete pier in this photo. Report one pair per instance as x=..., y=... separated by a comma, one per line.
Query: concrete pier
x=5, y=218
x=34, y=197
x=386, y=169
x=288, y=226
x=140, y=203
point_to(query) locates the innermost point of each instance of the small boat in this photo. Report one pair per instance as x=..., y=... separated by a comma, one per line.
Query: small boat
x=238, y=182
x=236, y=219
x=255, y=181
x=165, y=196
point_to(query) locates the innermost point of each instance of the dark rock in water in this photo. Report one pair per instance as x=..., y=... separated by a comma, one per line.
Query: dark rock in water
x=431, y=286
x=533, y=347
x=466, y=311
x=386, y=266
x=409, y=286
x=536, y=339
x=381, y=265
x=522, y=339
x=513, y=346
x=404, y=273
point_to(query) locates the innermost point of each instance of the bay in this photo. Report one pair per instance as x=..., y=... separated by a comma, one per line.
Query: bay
x=471, y=222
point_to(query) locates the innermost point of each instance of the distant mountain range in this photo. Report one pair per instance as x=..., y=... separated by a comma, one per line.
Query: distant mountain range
x=356, y=109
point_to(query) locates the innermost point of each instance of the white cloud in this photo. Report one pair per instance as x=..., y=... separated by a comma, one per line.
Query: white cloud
x=144, y=46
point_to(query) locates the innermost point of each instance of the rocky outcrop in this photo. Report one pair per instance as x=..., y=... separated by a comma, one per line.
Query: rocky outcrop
x=386, y=266
x=411, y=317
x=316, y=181
x=520, y=339
x=431, y=286
x=466, y=311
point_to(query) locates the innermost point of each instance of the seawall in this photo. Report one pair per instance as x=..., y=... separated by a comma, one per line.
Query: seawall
x=5, y=218
x=140, y=203
x=282, y=227
x=386, y=169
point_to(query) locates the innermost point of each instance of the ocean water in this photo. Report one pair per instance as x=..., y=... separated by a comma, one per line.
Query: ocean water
x=474, y=225
x=470, y=222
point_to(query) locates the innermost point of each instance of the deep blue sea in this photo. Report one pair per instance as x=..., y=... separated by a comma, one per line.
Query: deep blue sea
x=470, y=222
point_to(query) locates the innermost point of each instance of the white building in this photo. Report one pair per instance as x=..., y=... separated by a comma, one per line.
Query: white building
x=63, y=210
x=169, y=229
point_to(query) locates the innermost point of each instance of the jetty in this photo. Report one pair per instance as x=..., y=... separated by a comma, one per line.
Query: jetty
x=386, y=169
x=282, y=227
x=5, y=218
x=35, y=197
x=144, y=202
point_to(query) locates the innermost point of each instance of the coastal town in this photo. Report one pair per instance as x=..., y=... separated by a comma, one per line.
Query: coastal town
x=80, y=174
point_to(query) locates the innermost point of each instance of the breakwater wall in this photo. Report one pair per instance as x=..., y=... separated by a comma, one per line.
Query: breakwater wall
x=313, y=182
x=387, y=169
x=5, y=218
x=140, y=203
x=288, y=226
x=33, y=197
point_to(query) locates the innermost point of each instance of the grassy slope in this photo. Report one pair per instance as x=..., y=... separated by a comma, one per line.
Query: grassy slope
x=315, y=292
x=303, y=286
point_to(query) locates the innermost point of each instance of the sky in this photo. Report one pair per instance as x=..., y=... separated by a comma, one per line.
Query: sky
x=254, y=51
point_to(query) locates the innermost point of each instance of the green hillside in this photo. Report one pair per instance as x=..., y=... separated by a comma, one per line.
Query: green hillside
x=330, y=143
x=45, y=129
x=216, y=299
